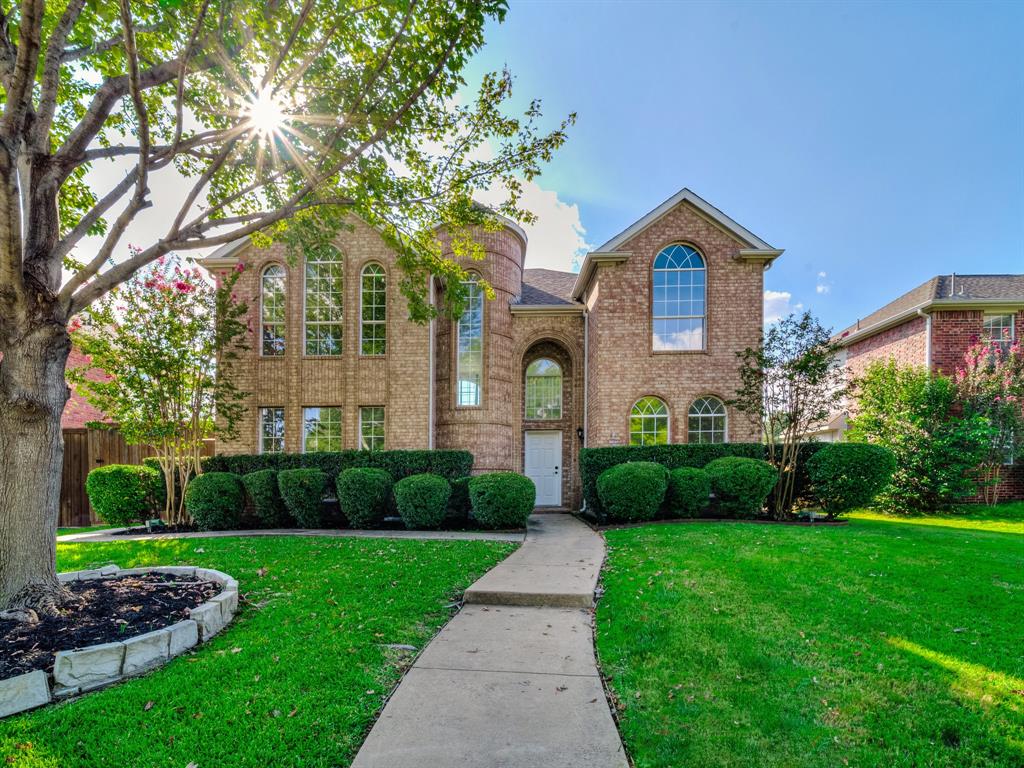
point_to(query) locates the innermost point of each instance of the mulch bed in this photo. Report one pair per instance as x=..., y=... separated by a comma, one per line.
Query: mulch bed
x=103, y=611
x=142, y=530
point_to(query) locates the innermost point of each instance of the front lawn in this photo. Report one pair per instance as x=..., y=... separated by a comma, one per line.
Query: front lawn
x=296, y=680
x=892, y=642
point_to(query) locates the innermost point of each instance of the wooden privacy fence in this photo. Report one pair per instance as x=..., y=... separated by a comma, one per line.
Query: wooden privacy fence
x=84, y=450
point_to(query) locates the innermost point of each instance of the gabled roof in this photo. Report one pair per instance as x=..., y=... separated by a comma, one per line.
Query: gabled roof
x=546, y=287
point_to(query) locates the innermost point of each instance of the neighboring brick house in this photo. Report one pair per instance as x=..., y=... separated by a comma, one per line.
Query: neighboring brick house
x=639, y=347
x=934, y=324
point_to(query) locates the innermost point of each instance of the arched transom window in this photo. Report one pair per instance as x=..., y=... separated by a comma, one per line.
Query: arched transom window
x=543, y=390
x=678, y=306
x=324, y=301
x=470, y=348
x=707, y=422
x=373, y=323
x=648, y=422
x=272, y=311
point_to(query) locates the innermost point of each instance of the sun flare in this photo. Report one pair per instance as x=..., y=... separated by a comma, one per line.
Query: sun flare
x=266, y=113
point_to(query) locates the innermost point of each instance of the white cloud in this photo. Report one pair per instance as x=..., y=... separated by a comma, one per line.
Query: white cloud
x=822, y=287
x=778, y=304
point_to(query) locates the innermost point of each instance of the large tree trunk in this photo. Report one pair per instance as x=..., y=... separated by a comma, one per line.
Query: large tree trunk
x=33, y=392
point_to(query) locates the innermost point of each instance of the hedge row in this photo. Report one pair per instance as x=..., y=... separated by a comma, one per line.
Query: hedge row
x=399, y=464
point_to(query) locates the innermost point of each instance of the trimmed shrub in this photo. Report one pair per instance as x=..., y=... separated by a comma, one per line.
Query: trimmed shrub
x=741, y=485
x=849, y=475
x=398, y=464
x=633, y=491
x=303, y=493
x=265, y=498
x=215, y=501
x=689, y=491
x=502, y=499
x=459, y=505
x=363, y=494
x=123, y=494
x=422, y=500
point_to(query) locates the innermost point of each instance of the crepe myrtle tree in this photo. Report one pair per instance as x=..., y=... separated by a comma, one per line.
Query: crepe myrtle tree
x=286, y=120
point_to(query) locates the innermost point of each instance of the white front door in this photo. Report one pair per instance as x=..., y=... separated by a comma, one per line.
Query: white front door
x=544, y=466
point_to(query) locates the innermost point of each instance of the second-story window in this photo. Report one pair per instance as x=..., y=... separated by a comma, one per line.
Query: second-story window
x=543, y=390
x=272, y=311
x=373, y=309
x=677, y=301
x=470, y=348
x=998, y=329
x=324, y=301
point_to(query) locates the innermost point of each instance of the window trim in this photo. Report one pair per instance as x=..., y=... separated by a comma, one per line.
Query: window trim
x=284, y=323
x=473, y=278
x=561, y=389
x=259, y=427
x=305, y=295
x=341, y=425
x=668, y=420
x=725, y=416
x=383, y=423
x=705, y=336
x=384, y=322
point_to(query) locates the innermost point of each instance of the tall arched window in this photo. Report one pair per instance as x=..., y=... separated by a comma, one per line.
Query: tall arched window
x=678, y=306
x=648, y=422
x=373, y=320
x=707, y=421
x=543, y=390
x=470, y=348
x=324, y=301
x=272, y=311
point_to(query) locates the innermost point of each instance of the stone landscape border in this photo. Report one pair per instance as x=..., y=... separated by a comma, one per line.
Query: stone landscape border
x=97, y=666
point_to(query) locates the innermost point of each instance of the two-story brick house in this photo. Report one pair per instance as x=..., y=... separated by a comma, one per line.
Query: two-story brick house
x=639, y=347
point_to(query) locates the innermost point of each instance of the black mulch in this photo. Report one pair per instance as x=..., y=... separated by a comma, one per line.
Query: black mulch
x=102, y=611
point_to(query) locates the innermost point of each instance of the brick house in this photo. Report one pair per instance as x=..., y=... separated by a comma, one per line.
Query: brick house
x=934, y=324
x=639, y=347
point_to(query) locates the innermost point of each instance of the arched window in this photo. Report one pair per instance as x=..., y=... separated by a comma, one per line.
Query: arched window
x=470, y=348
x=324, y=301
x=543, y=390
x=648, y=422
x=707, y=422
x=272, y=311
x=373, y=323
x=677, y=307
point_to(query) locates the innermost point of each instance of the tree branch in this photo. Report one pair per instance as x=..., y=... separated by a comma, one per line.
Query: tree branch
x=51, y=76
x=19, y=91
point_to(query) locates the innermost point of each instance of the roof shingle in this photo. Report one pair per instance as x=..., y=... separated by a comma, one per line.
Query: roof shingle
x=547, y=286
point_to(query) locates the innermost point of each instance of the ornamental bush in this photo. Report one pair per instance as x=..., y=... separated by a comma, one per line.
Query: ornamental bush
x=265, y=498
x=632, y=491
x=502, y=499
x=303, y=493
x=215, y=501
x=363, y=494
x=689, y=491
x=422, y=500
x=849, y=475
x=741, y=485
x=398, y=464
x=123, y=494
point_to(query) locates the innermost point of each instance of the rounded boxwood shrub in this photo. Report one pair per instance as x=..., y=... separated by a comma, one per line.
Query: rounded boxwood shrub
x=689, y=491
x=303, y=493
x=215, y=501
x=848, y=475
x=363, y=494
x=458, y=503
x=265, y=498
x=422, y=500
x=741, y=485
x=632, y=491
x=502, y=499
x=122, y=494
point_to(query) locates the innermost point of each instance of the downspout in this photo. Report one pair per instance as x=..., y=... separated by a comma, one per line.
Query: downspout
x=586, y=385
x=430, y=384
x=927, y=338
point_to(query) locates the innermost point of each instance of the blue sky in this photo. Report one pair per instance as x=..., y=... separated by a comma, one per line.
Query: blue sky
x=878, y=143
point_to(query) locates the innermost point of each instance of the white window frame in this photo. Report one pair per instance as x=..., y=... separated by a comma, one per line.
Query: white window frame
x=340, y=422
x=1003, y=343
x=527, y=415
x=655, y=270
x=339, y=322
x=651, y=416
x=690, y=432
x=261, y=422
x=383, y=425
x=263, y=296
x=363, y=322
x=475, y=296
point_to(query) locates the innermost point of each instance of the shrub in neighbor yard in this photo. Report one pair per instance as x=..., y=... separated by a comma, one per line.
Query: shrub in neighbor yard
x=632, y=491
x=422, y=500
x=265, y=498
x=303, y=493
x=741, y=485
x=689, y=491
x=215, y=501
x=849, y=475
x=122, y=494
x=363, y=494
x=502, y=499
x=459, y=505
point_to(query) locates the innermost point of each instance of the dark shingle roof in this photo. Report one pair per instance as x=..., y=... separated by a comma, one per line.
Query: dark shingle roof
x=547, y=286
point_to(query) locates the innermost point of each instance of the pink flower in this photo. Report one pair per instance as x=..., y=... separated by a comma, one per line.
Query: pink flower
x=75, y=324
x=184, y=287
x=240, y=266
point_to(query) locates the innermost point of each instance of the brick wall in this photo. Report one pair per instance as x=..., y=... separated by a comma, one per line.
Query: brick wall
x=906, y=343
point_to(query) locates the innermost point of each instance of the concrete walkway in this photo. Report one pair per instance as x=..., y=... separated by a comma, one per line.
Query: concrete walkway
x=511, y=681
x=106, y=535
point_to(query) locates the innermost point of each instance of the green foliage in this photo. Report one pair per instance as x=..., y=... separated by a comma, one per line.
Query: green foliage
x=915, y=414
x=633, y=491
x=741, y=485
x=502, y=499
x=689, y=491
x=459, y=505
x=448, y=464
x=303, y=492
x=845, y=476
x=422, y=500
x=123, y=494
x=363, y=494
x=215, y=501
x=265, y=498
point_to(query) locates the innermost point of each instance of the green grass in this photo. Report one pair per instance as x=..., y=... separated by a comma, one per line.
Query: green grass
x=888, y=642
x=296, y=680
x=1005, y=518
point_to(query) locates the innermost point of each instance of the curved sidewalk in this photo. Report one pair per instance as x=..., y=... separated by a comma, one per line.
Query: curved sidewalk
x=511, y=681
